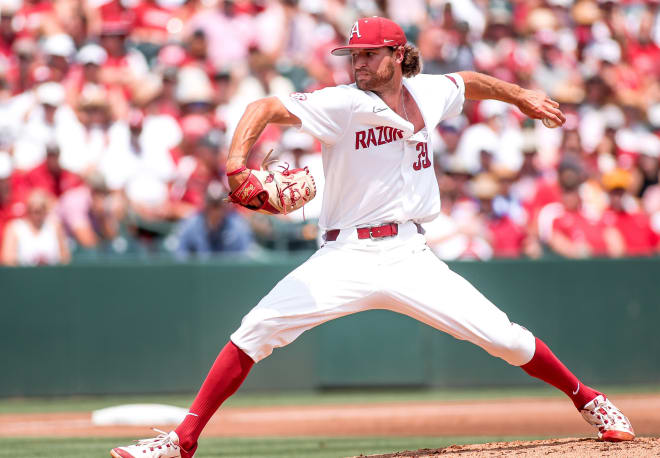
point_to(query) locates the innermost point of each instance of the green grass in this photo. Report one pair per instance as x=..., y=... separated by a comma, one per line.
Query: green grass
x=88, y=403
x=240, y=448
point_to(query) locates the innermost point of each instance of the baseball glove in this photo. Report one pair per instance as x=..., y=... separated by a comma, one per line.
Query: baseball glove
x=278, y=191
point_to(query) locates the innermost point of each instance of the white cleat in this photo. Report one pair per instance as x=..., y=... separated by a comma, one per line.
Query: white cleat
x=613, y=426
x=165, y=445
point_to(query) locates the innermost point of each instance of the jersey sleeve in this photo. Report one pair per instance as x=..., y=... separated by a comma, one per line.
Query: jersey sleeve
x=453, y=89
x=324, y=114
x=442, y=96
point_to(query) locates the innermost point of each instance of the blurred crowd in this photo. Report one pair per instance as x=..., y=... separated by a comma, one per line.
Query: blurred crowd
x=116, y=118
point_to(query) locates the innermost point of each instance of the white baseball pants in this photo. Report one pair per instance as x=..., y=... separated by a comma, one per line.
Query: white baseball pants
x=400, y=274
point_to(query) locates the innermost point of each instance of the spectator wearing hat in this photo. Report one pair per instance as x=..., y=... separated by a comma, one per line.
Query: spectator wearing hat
x=50, y=176
x=21, y=64
x=495, y=140
x=58, y=50
x=217, y=228
x=625, y=215
x=198, y=164
x=508, y=238
x=194, y=91
x=8, y=33
x=646, y=172
x=41, y=125
x=138, y=162
x=90, y=60
x=37, y=238
x=84, y=142
x=196, y=46
x=88, y=212
x=124, y=67
x=568, y=229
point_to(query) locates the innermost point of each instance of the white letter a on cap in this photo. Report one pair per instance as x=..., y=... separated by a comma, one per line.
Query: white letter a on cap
x=355, y=30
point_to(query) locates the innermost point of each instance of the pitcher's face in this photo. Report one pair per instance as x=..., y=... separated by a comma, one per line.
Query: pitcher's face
x=372, y=67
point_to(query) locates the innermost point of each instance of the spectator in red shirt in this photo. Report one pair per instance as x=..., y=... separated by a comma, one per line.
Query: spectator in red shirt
x=153, y=23
x=505, y=237
x=7, y=30
x=625, y=216
x=123, y=68
x=198, y=164
x=50, y=176
x=569, y=230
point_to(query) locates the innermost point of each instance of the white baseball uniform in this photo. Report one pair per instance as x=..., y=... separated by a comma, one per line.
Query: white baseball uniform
x=378, y=171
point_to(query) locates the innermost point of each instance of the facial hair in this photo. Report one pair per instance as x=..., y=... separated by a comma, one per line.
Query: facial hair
x=378, y=79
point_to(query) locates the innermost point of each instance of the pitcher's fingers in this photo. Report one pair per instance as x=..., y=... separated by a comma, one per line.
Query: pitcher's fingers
x=557, y=113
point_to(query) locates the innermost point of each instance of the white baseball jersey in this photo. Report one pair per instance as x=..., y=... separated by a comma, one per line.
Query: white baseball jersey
x=377, y=170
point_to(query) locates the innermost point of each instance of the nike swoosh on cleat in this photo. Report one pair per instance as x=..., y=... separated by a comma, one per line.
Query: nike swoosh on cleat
x=577, y=389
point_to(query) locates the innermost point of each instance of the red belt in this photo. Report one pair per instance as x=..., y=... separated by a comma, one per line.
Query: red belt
x=373, y=232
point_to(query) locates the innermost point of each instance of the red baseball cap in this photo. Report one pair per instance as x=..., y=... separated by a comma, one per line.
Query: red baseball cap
x=372, y=32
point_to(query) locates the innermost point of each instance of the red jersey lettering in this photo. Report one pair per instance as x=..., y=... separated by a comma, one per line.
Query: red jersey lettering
x=376, y=136
x=359, y=139
x=423, y=160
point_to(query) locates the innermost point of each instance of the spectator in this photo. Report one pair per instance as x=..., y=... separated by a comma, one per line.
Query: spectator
x=218, y=228
x=90, y=59
x=124, y=67
x=569, y=230
x=85, y=139
x=36, y=239
x=88, y=213
x=42, y=124
x=198, y=164
x=625, y=216
x=138, y=162
x=493, y=141
x=50, y=176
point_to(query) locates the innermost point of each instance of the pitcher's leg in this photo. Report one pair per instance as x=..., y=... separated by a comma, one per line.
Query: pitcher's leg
x=228, y=372
x=305, y=298
x=446, y=301
x=450, y=303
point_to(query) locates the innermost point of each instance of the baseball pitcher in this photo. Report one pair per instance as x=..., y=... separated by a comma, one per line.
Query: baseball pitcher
x=379, y=188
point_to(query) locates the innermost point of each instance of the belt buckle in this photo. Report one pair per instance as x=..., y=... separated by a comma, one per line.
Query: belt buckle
x=377, y=239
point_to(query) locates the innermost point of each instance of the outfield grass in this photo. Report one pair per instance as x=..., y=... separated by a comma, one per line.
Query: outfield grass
x=89, y=403
x=241, y=448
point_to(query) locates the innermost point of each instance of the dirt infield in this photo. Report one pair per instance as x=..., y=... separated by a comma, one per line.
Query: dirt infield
x=571, y=447
x=511, y=417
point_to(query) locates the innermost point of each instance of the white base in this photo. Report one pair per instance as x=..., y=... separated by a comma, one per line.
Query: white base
x=139, y=415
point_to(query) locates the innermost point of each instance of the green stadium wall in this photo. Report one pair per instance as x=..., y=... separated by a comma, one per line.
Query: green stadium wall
x=157, y=327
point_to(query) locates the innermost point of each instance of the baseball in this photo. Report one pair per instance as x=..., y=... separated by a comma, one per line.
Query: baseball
x=550, y=123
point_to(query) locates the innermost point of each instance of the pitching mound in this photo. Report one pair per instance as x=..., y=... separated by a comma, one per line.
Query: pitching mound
x=571, y=447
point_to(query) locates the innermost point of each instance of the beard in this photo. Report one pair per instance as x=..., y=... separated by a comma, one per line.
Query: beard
x=374, y=80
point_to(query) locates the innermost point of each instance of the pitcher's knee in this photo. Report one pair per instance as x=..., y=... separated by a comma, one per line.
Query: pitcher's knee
x=516, y=347
x=261, y=332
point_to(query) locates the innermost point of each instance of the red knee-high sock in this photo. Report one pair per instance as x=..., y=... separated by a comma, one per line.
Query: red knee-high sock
x=546, y=366
x=227, y=373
